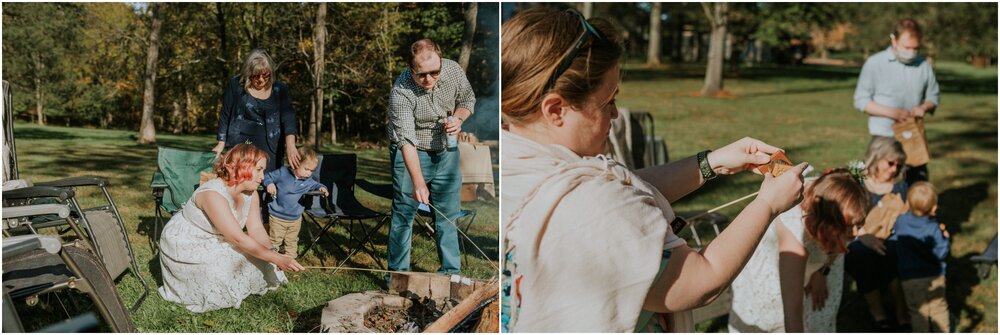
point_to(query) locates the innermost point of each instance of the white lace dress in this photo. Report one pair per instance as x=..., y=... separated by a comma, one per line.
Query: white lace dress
x=200, y=269
x=757, y=305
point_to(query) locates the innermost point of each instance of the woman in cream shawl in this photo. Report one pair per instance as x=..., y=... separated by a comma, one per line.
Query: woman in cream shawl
x=584, y=236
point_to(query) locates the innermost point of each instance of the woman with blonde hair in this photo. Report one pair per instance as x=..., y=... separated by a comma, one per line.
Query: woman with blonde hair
x=208, y=262
x=871, y=260
x=257, y=109
x=583, y=235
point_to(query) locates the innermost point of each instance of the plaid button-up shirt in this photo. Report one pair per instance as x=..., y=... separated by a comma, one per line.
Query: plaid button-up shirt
x=416, y=114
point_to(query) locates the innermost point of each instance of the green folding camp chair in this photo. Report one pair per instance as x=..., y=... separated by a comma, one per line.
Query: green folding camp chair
x=177, y=176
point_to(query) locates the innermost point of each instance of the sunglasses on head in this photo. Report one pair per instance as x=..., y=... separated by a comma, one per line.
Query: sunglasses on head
x=588, y=32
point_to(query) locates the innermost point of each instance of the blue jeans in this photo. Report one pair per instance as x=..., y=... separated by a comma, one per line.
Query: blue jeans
x=444, y=179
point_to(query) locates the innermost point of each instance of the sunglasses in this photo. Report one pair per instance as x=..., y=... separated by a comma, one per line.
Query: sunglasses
x=588, y=32
x=423, y=75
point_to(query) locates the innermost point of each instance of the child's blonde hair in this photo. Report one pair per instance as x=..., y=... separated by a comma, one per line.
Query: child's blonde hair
x=922, y=197
x=308, y=155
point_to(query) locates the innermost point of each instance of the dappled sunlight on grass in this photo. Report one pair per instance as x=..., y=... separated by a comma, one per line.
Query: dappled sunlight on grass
x=47, y=153
x=808, y=111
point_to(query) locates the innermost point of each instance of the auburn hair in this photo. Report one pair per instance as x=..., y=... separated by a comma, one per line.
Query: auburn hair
x=534, y=43
x=832, y=205
x=237, y=165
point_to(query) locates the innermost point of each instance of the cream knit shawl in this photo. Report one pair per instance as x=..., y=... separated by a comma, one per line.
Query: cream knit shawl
x=586, y=234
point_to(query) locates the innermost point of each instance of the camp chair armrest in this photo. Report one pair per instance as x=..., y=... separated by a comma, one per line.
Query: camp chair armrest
x=77, y=181
x=158, y=184
x=323, y=201
x=39, y=192
x=17, y=245
x=13, y=212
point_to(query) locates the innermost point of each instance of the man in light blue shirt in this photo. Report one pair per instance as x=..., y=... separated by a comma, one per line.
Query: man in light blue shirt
x=897, y=84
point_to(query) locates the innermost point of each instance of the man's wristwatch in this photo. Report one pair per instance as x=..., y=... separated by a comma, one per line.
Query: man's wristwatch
x=825, y=270
x=706, y=169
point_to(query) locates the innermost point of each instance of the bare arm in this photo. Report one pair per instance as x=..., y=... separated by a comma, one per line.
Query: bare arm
x=255, y=226
x=217, y=210
x=675, y=179
x=693, y=279
x=791, y=272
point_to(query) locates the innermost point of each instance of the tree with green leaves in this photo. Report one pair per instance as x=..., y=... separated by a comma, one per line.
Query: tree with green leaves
x=40, y=44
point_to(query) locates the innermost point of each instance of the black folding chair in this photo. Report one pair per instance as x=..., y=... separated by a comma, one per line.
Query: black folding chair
x=337, y=172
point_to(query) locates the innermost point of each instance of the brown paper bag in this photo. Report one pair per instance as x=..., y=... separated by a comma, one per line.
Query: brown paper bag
x=882, y=217
x=911, y=134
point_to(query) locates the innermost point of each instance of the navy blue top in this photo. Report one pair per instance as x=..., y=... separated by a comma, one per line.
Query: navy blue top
x=243, y=117
x=290, y=188
x=901, y=188
x=921, y=246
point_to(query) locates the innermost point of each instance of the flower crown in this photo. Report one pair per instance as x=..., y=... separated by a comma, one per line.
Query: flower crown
x=854, y=168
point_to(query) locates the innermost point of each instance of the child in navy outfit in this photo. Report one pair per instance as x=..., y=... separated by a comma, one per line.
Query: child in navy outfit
x=922, y=247
x=286, y=186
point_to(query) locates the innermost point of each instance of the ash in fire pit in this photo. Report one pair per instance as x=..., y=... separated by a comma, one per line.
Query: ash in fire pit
x=412, y=319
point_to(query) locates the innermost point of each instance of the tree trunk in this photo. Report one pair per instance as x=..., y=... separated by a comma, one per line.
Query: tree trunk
x=319, y=52
x=467, y=38
x=147, y=130
x=39, y=112
x=333, y=123
x=717, y=17
x=653, y=54
x=220, y=18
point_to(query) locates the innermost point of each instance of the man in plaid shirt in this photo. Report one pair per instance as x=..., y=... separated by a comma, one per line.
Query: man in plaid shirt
x=424, y=168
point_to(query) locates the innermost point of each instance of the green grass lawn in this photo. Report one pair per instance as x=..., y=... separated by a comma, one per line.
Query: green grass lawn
x=47, y=153
x=808, y=111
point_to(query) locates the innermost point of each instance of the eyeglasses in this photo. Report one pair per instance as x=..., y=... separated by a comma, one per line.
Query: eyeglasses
x=423, y=75
x=588, y=32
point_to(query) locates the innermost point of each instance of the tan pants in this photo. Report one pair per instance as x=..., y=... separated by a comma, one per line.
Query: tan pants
x=286, y=231
x=925, y=297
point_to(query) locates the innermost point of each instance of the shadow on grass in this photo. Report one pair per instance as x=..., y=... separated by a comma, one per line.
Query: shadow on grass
x=956, y=205
x=331, y=243
x=309, y=320
x=960, y=278
x=36, y=133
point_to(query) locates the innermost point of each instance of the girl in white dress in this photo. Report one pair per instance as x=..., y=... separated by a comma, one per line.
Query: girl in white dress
x=207, y=260
x=794, y=280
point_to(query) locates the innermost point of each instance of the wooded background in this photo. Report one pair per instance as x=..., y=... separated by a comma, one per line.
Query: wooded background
x=727, y=36
x=162, y=66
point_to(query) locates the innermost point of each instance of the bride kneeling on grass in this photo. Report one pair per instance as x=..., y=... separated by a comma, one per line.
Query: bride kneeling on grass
x=208, y=261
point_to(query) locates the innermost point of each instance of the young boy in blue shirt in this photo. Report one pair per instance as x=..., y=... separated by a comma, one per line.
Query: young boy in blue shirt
x=922, y=247
x=286, y=186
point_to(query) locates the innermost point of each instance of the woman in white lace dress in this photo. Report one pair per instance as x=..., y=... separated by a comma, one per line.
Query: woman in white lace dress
x=207, y=260
x=794, y=280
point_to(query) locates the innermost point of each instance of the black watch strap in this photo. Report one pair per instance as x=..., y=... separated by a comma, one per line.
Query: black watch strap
x=706, y=169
